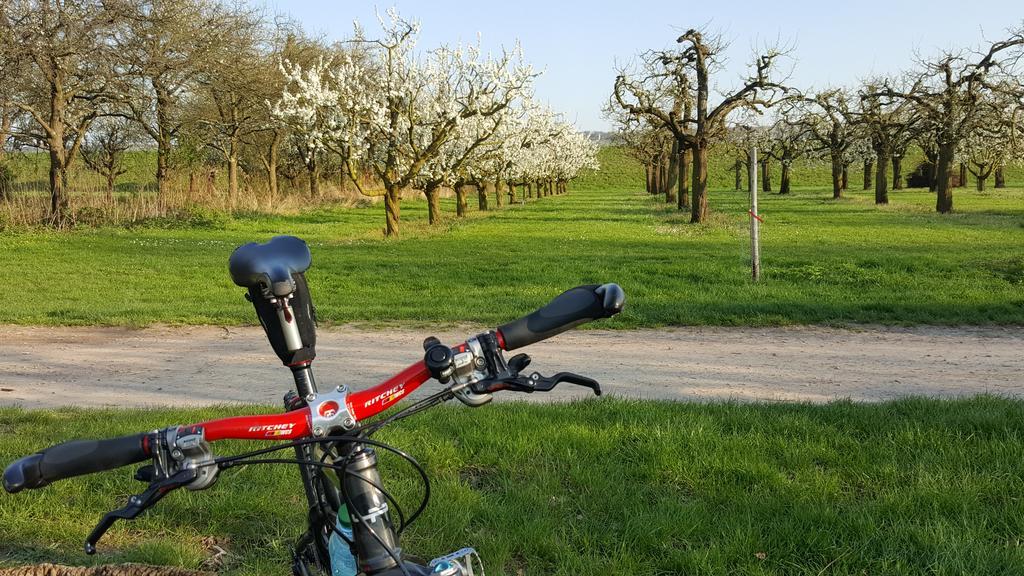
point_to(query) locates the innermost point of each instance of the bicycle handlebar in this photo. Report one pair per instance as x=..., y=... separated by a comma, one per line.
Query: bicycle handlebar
x=568, y=310
x=74, y=458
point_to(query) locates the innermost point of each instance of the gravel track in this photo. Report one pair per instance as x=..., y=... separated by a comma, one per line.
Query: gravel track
x=46, y=367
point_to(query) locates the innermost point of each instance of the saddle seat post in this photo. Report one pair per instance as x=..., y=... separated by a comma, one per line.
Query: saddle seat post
x=274, y=275
x=305, y=384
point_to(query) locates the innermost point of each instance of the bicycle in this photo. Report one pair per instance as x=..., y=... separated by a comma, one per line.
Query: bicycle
x=350, y=523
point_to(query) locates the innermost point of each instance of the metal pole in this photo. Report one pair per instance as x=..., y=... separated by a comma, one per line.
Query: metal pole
x=755, y=245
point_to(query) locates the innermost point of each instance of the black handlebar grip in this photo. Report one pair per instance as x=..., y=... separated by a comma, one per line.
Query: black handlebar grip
x=568, y=310
x=74, y=459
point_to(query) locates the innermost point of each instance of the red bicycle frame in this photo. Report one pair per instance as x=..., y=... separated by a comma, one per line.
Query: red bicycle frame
x=296, y=423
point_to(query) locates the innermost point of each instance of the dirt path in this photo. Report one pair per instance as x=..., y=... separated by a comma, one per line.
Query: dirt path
x=43, y=367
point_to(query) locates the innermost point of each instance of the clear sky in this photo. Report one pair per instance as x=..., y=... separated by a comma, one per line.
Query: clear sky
x=579, y=44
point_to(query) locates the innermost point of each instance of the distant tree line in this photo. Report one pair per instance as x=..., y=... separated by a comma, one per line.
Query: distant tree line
x=205, y=80
x=963, y=109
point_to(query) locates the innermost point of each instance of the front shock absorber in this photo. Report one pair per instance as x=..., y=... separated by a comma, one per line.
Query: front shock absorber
x=376, y=541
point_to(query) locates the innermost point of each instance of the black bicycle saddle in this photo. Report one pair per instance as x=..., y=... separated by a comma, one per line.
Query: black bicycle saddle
x=268, y=267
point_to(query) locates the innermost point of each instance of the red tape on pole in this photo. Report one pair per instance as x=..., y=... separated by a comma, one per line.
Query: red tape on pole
x=751, y=212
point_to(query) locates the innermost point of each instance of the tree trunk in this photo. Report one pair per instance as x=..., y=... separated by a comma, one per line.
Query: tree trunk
x=191, y=185
x=784, y=179
x=943, y=179
x=313, y=168
x=211, y=180
x=837, y=176
x=162, y=171
x=481, y=195
x=433, y=202
x=511, y=192
x=271, y=165
x=460, y=199
x=232, y=174
x=685, y=165
x=529, y=184
x=1000, y=179
x=498, y=201
x=58, y=179
x=963, y=174
x=164, y=137
x=656, y=177
x=5, y=180
x=932, y=167
x=58, y=160
x=897, y=173
x=766, y=176
x=5, y=171
x=980, y=182
x=738, y=169
x=673, y=174
x=344, y=178
x=663, y=177
x=392, y=211
x=882, y=177
x=846, y=177
x=109, y=196
x=699, y=206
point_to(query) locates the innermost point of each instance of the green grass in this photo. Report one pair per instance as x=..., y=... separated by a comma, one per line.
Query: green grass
x=600, y=487
x=825, y=262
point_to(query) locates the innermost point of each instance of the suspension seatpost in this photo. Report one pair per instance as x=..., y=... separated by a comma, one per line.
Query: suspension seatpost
x=305, y=384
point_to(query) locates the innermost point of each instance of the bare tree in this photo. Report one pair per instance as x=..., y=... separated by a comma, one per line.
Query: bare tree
x=233, y=104
x=948, y=94
x=828, y=122
x=786, y=141
x=289, y=44
x=648, y=145
x=162, y=47
x=6, y=171
x=63, y=45
x=890, y=127
x=9, y=114
x=692, y=118
x=103, y=151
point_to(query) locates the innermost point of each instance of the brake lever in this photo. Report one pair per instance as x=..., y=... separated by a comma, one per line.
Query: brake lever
x=535, y=383
x=139, y=504
x=542, y=384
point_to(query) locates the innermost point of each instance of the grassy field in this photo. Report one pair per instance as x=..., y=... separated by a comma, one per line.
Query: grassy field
x=825, y=261
x=600, y=487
